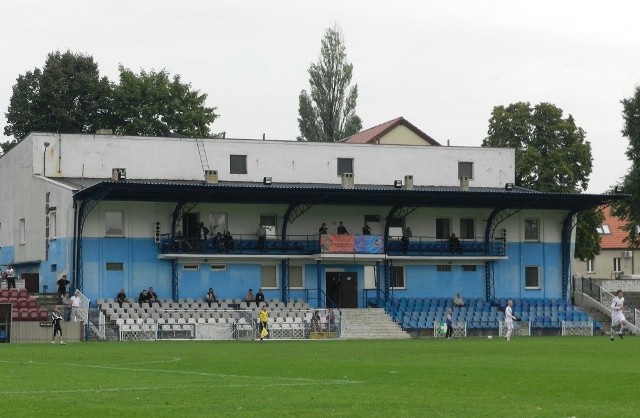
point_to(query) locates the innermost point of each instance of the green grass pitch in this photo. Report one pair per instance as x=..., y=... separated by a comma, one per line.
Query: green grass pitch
x=529, y=376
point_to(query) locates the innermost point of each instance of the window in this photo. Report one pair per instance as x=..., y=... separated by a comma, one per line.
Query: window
x=191, y=267
x=238, y=164
x=532, y=229
x=345, y=165
x=269, y=222
x=617, y=264
x=22, y=231
x=371, y=218
x=52, y=225
x=468, y=267
x=295, y=277
x=114, y=266
x=443, y=267
x=604, y=229
x=397, y=277
x=465, y=169
x=114, y=224
x=269, y=278
x=591, y=265
x=54, y=268
x=443, y=228
x=532, y=277
x=217, y=223
x=218, y=267
x=467, y=228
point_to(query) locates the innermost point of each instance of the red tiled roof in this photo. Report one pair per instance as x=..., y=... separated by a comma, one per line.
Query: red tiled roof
x=373, y=135
x=615, y=239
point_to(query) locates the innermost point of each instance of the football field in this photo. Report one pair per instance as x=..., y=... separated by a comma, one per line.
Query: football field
x=529, y=376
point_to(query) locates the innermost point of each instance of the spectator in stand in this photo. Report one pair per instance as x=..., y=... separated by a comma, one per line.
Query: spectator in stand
x=121, y=298
x=315, y=322
x=261, y=233
x=11, y=277
x=142, y=298
x=62, y=284
x=458, y=302
x=75, y=306
x=342, y=230
x=211, y=297
x=366, y=229
x=323, y=230
x=66, y=307
x=406, y=236
x=249, y=297
x=152, y=297
x=218, y=241
x=57, y=328
x=331, y=321
x=259, y=297
x=229, y=245
x=454, y=245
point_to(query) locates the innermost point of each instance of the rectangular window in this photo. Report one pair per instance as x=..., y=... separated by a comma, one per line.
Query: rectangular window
x=591, y=265
x=397, y=277
x=532, y=277
x=269, y=278
x=443, y=267
x=217, y=223
x=114, y=266
x=468, y=267
x=617, y=264
x=345, y=165
x=465, y=169
x=191, y=267
x=238, y=164
x=269, y=223
x=53, y=233
x=371, y=218
x=54, y=268
x=296, y=281
x=604, y=229
x=218, y=267
x=532, y=229
x=443, y=228
x=22, y=231
x=114, y=224
x=467, y=228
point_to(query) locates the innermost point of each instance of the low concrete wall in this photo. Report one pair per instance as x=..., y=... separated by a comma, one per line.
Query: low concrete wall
x=626, y=285
x=41, y=332
x=588, y=302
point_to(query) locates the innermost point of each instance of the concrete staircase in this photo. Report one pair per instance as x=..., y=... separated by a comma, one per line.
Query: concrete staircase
x=370, y=323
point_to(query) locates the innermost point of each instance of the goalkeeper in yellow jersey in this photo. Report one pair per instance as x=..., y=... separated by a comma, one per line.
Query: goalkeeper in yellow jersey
x=264, y=318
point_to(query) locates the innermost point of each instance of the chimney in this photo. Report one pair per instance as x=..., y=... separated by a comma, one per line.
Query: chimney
x=118, y=174
x=464, y=183
x=347, y=180
x=408, y=182
x=210, y=176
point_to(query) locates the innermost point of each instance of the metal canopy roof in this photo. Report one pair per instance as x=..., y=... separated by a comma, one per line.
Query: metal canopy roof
x=334, y=194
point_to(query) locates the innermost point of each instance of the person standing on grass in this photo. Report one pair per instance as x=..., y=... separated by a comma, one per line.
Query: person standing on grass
x=449, y=332
x=508, y=319
x=264, y=318
x=617, y=316
x=57, y=329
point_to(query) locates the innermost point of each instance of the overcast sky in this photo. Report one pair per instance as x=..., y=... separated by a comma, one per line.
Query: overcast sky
x=443, y=65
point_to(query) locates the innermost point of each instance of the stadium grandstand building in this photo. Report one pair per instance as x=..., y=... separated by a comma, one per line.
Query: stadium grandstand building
x=116, y=212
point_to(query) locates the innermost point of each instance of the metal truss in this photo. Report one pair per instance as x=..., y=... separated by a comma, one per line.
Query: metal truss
x=570, y=222
x=284, y=279
x=495, y=218
x=396, y=211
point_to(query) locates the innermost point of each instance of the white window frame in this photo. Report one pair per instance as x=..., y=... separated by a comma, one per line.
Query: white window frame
x=340, y=172
x=591, y=265
x=539, y=278
x=473, y=223
x=53, y=228
x=604, y=229
x=233, y=169
x=462, y=166
x=617, y=264
x=538, y=229
x=272, y=230
x=22, y=231
x=445, y=236
x=262, y=272
x=404, y=277
x=191, y=267
x=106, y=224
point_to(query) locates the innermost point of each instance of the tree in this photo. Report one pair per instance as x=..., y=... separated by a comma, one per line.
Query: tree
x=552, y=155
x=154, y=104
x=628, y=210
x=68, y=95
x=328, y=113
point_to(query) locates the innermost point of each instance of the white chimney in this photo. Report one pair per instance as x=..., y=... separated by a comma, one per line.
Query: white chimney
x=347, y=180
x=118, y=174
x=408, y=182
x=210, y=176
x=464, y=183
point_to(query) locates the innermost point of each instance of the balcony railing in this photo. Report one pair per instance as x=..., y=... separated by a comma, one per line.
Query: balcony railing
x=332, y=244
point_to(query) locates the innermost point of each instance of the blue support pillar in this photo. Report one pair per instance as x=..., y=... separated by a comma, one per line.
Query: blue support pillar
x=284, y=279
x=567, y=226
x=319, y=283
x=378, y=282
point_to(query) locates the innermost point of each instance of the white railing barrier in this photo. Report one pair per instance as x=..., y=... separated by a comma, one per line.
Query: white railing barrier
x=84, y=307
x=520, y=329
x=440, y=329
x=577, y=328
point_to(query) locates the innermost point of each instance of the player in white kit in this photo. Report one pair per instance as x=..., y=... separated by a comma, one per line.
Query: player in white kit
x=508, y=319
x=617, y=316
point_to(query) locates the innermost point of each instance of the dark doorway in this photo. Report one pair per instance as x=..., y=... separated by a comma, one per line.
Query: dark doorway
x=342, y=289
x=191, y=226
x=31, y=282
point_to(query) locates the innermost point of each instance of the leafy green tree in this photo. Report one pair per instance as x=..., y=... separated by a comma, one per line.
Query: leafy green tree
x=67, y=95
x=628, y=210
x=328, y=112
x=154, y=104
x=552, y=155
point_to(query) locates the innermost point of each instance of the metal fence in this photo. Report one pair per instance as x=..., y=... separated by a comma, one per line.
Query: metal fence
x=520, y=329
x=440, y=329
x=577, y=328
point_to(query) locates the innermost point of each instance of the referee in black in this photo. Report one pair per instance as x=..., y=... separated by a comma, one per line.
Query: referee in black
x=57, y=329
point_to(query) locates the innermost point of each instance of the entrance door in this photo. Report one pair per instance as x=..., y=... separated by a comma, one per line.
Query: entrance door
x=32, y=282
x=342, y=289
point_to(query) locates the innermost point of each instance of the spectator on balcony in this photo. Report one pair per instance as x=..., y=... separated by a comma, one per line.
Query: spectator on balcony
x=11, y=277
x=259, y=297
x=121, y=298
x=342, y=230
x=229, y=245
x=66, y=307
x=261, y=233
x=458, y=302
x=211, y=297
x=366, y=229
x=62, y=284
x=75, y=306
x=180, y=243
x=249, y=297
x=218, y=241
x=406, y=235
x=152, y=297
x=204, y=234
x=454, y=245
x=323, y=230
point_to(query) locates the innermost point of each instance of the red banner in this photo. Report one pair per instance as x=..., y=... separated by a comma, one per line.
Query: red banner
x=337, y=243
